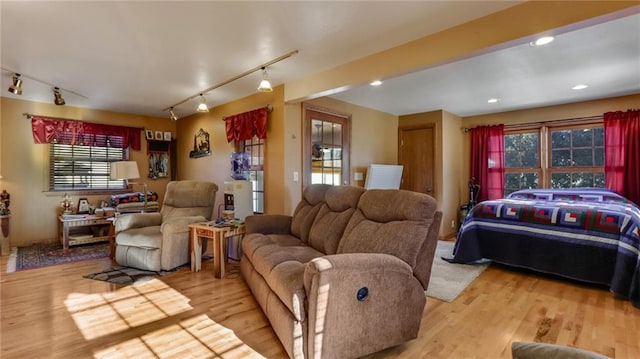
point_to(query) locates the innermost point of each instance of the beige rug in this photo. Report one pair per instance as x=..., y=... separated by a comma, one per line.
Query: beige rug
x=448, y=280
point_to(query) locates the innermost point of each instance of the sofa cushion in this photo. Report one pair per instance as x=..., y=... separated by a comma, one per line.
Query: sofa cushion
x=253, y=241
x=389, y=221
x=286, y=281
x=266, y=258
x=332, y=219
x=145, y=237
x=306, y=211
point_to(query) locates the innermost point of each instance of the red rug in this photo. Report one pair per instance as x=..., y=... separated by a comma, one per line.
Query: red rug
x=48, y=254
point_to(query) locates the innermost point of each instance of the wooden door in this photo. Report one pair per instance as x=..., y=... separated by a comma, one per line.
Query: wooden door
x=416, y=154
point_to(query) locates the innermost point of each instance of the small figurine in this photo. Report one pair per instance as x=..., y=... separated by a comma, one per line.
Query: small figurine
x=5, y=201
x=66, y=204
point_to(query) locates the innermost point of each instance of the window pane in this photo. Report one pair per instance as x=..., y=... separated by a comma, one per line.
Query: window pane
x=530, y=158
x=581, y=138
x=598, y=179
x=583, y=158
x=598, y=159
x=560, y=158
x=511, y=159
x=598, y=136
x=560, y=139
x=521, y=180
x=582, y=179
x=560, y=180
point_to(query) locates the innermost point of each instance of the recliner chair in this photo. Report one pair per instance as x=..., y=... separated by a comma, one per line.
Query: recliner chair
x=160, y=241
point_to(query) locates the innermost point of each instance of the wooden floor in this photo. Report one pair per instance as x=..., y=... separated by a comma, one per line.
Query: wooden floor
x=56, y=313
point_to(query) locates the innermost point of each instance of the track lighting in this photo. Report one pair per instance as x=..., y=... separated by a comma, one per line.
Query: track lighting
x=265, y=85
x=16, y=88
x=172, y=115
x=58, y=100
x=202, y=107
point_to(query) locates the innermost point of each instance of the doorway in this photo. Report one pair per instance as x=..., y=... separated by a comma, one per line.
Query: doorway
x=326, y=147
x=416, y=154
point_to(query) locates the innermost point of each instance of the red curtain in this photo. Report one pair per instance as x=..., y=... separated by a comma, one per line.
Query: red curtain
x=487, y=160
x=246, y=125
x=622, y=153
x=47, y=130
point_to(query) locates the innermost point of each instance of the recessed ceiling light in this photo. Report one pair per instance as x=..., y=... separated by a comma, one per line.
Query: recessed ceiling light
x=493, y=100
x=542, y=41
x=376, y=83
x=580, y=87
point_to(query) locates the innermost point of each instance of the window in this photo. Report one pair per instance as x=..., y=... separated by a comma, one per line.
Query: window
x=521, y=161
x=575, y=157
x=85, y=167
x=255, y=147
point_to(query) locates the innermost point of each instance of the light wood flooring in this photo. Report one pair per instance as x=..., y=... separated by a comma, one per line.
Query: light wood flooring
x=54, y=312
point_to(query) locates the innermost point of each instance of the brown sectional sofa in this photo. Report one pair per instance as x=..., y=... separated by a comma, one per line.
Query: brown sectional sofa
x=346, y=275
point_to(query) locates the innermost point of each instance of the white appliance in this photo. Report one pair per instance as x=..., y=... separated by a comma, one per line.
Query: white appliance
x=238, y=197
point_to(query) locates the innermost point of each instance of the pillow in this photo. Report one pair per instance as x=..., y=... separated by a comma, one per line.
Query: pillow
x=528, y=350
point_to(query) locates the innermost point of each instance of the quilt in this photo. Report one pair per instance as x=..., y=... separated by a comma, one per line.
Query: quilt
x=590, y=235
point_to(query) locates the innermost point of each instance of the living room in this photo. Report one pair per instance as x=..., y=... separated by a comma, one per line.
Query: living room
x=24, y=166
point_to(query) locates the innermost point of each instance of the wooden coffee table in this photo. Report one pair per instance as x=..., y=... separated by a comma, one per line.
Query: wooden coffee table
x=219, y=235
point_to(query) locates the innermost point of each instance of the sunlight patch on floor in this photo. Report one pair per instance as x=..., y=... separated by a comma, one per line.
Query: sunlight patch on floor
x=101, y=314
x=197, y=337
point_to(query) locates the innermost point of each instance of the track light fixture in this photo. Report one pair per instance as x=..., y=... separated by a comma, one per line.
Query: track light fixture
x=202, y=107
x=265, y=85
x=58, y=100
x=172, y=115
x=16, y=88
x=265, y=80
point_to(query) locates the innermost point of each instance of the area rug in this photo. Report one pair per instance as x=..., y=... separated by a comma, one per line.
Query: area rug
x=124, y=275
x=48, y=254
x=127, y=275
x=448, y=280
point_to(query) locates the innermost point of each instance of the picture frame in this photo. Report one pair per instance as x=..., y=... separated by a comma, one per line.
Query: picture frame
x=83, y=206
x=148, y=134
x=159, y=136
x=167, y=136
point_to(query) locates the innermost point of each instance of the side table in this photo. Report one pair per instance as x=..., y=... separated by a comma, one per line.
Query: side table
x=219, y=235
x=66, y=223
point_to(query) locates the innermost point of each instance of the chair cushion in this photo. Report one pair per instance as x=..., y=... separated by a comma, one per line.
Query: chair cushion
x=530, y=350
x=147, y=237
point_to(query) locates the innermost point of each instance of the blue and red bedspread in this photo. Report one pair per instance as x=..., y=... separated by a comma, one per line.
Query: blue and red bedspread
x=587, y=234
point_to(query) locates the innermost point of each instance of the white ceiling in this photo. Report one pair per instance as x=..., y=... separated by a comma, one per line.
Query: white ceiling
x=142, y=56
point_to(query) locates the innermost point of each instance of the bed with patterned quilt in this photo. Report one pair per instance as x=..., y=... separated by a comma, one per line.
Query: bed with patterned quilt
x=590, y=235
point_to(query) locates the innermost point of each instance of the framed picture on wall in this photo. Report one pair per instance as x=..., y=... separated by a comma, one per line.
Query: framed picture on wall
x=149, y=134
x=159, y=136
x=167, y=136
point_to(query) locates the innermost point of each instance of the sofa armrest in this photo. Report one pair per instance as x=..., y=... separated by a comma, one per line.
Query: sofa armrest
x=179, y=224
x=268, y=224
x=136, y=220
x=359, y=303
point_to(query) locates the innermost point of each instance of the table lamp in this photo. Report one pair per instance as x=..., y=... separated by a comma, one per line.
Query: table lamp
x=126, y=170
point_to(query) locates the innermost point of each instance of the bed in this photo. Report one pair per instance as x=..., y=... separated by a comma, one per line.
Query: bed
x=589, y=235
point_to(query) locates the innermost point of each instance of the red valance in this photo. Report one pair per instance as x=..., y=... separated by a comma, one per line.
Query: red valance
x=47, y=130
x=246, y=125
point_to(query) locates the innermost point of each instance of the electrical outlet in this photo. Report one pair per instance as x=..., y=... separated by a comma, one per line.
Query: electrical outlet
x=453, y=223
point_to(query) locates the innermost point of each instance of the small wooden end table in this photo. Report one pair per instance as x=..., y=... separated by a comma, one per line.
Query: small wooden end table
x=219, y=235
x=65, y=223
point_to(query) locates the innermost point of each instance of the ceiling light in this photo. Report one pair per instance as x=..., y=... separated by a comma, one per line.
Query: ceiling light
x=58, y=100
x=265, y=85
x=493, y=100
x=202, y=107
x=542, y=41
x=172, y=115
x=376, y=83
x=16, y=88
x=580, y=87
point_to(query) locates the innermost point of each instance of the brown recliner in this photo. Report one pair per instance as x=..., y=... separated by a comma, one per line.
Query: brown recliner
x=160, y=241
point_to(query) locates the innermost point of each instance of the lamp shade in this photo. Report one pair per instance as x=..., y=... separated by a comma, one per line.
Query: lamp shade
x=124, y=170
